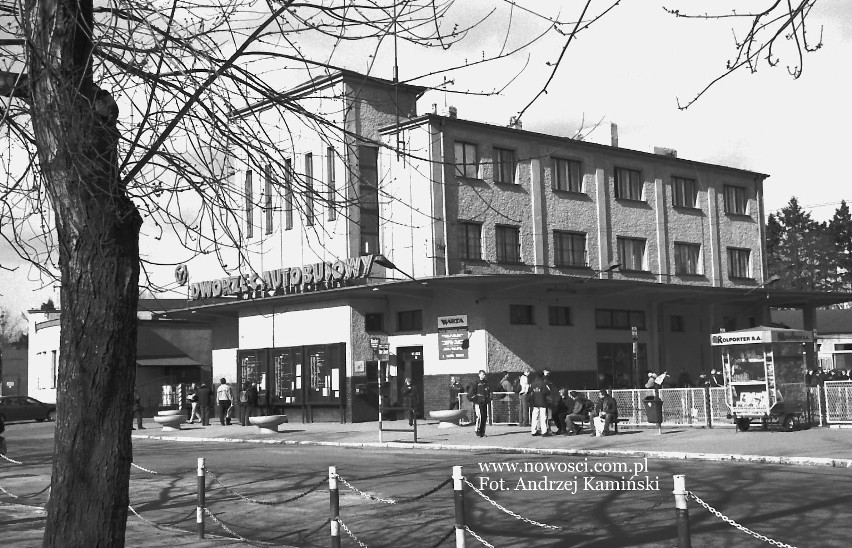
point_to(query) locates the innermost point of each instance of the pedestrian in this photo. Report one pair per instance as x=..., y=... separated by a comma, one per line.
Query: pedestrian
x=248, y=408
x=716, y=378
x=205, y=400
x=480, y=395
x=225, y=397
x=137, y=410
x=192, y=398
x=409, y=401
x=606, y=410
x=455, y=389
x=539, y=395
x=552, y=396
x=523, y=399
x=505, y=383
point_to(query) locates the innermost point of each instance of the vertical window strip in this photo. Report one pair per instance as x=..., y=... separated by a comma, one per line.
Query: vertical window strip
x=332, y=209
x=288, y=194
x=309, y=189
x=249, y=208
x=267, y=198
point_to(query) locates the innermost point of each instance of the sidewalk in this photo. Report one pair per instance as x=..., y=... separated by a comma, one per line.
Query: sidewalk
x=814, y=447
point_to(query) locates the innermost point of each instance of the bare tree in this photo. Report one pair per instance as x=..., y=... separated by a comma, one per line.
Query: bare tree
x=119, y=117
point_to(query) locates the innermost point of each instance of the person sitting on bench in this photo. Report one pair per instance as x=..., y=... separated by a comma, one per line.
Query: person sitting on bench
x=606, y=409
x=579, y=414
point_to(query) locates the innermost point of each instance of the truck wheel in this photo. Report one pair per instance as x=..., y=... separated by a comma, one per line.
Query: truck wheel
x=788, y=424
x=743, y=424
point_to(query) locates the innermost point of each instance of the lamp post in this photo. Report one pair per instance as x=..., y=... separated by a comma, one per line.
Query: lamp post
x=381, y=260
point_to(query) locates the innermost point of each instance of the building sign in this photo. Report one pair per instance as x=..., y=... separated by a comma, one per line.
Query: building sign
x=283, y=281
x=452, y=336
x=761, y=336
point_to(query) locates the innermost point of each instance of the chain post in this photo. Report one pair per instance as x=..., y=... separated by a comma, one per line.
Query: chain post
x=334, y=506
x=681, y=511
x=458, y=496
x=199, y=511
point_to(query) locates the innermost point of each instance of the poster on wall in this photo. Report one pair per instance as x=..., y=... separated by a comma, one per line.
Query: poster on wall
x=452, y=337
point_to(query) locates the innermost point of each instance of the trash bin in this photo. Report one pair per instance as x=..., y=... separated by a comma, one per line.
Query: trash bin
x=654, y=409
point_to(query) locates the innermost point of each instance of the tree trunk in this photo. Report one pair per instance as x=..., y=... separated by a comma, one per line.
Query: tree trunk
x=97, y=229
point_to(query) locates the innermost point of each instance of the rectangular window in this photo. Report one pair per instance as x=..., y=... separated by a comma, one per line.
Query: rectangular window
x=559, y=315
x=739, y=263
x=504, y=165
x=368, y=165
x=249, y=208
x=267, y=197
x=735, y=200
x=288, y=194
x=606, y=318
x=567, y=175
x=569, y=248
x=684, y=192
x=466, y=160
x=687, y=258
x=628, y=184
x=309, y=189
x=330, y=183
x=470, y=240
x=508, y=239
x=677, y=323
x=410, y=320
x=374, y=321
x=521, y=314
x=631, y=253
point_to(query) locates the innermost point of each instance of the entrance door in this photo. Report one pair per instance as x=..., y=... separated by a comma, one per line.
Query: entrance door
x=409, y=363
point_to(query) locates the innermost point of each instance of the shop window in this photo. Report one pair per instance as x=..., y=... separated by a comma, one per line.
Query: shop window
x=374, y=321
x=521, y=314
x=410, y=320
x=615, y=364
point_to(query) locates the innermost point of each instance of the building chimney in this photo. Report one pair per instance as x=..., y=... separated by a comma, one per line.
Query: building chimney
x=515, y=123
x=450, y=112
x=663, y=151
x=613, y=134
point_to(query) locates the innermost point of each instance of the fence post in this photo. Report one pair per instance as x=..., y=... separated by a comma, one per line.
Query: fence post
x=199, y=511
x=458, y=496
x=657, y=396
x=708, y=407
x=334, y=506
x=681, y=512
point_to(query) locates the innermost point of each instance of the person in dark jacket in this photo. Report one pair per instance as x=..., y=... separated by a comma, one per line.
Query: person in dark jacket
x=409, y=401
x=580, y=413
x=480, y=395
x=137, y=410
x=564, y=405
x=248, y=408
x=606, y=409
x=455, y=389
x=539, y=401
x=205, y=397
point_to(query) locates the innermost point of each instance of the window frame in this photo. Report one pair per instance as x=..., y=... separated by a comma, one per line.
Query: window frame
x=409, y=320
x=699, y=270
x=331, y=189
x=733, y=261
x=465, y=243
x=625, y=265
x=736, y=201
x=569, y=185
x=288, y=194
x=267, y=198
x=620, y=319
x=558, y=255
x=503, y=167
x=679, y=192
x=521, y=314
x=634, y=188
x=501, y=247
x=559, y=316
x=464, y=165
x=249, y=207
x=309, y=189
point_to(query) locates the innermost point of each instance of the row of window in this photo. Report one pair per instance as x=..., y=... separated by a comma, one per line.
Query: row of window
x=570, y=250
x=568, y=176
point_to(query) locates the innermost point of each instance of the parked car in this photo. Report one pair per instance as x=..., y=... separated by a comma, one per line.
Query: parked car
x=24, y=408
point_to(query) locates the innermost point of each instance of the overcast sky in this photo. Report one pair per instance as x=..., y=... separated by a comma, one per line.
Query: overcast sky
x=631, y=68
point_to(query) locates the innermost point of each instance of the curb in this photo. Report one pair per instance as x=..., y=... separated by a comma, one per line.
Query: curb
x=638, y=453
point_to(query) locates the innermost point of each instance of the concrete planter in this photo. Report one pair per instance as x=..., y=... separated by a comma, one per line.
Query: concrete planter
x=169, y=412
x=170, y=422
x=268, y=424
x=448, y=417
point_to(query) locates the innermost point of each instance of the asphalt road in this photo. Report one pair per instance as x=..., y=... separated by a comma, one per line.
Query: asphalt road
x=251, y=487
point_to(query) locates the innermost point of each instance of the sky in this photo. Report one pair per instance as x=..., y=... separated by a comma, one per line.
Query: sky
x=631, y=68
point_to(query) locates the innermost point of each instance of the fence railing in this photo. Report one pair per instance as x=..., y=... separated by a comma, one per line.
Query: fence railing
x=703, y=407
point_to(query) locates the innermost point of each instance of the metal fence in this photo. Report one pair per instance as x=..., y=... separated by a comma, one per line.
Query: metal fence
x=687, y=406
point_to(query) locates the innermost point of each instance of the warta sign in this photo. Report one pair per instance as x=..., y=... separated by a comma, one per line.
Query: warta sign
x=283, y=281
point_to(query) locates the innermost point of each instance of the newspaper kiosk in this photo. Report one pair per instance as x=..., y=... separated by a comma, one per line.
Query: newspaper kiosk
x=764, y=372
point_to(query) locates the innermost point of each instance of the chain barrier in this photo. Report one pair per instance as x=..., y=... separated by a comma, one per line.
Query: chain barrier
x=507, y=511
x=157, y=525
x=133, y=464
x=734, y=524
x=477, y=537
x=350, y=533
x=13, y=461
x=267, y=502
x=427, y=493
x=365, y=495
x=445, y=537
x=231, y=532
x=31, y=495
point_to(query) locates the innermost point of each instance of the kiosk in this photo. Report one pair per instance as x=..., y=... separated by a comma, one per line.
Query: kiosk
x=764, y=371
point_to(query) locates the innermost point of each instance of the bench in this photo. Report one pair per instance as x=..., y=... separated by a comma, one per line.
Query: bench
x=588, y=422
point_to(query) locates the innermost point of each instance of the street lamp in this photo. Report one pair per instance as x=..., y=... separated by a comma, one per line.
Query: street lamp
x=381, y=260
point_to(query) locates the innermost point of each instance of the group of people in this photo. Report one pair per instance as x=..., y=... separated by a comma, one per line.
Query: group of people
x=541, y=404
x=818, y=376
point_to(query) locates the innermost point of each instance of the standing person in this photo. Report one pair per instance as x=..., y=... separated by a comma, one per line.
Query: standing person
x=524, y=400
x=539, y=396
x=409, y=401
x=552, y=396
x=137, y=410
x=225, y=397
x=455, y=389
x=716, y=378
x=192, y=398
x=505, y=383
x=480, y=395
x=249, y=407
x=205, y=400
x=243, y=417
